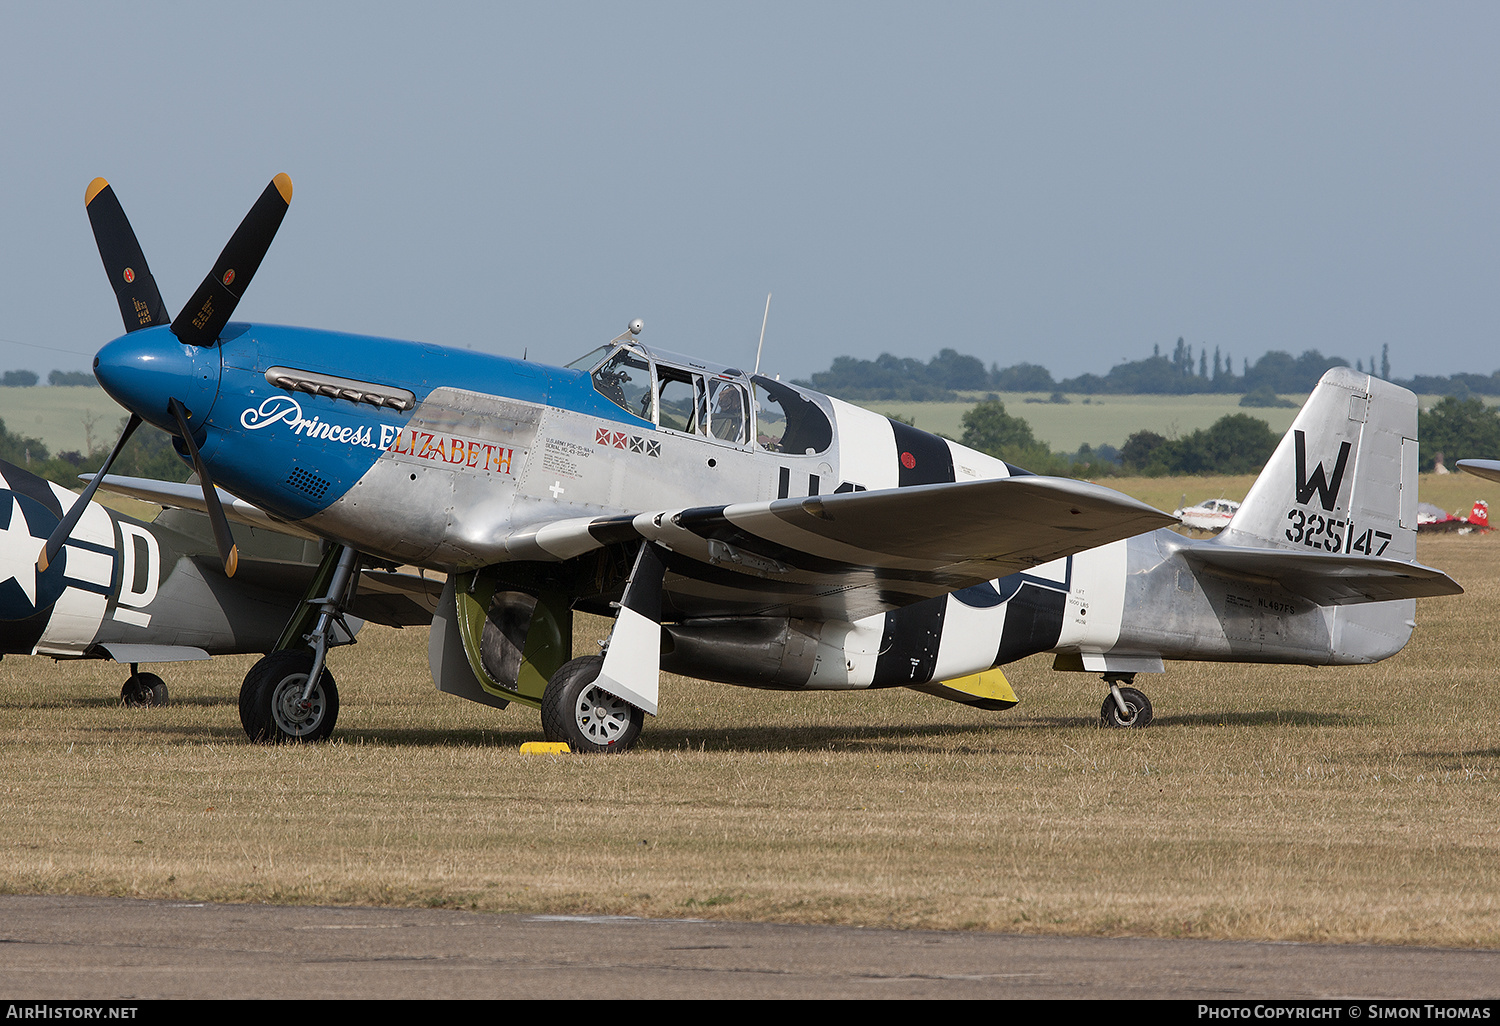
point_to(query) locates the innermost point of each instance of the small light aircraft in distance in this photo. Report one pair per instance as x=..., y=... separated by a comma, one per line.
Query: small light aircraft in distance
x=1434, y=519
x=1208, y=515
x=738, y=528
x=154, y=592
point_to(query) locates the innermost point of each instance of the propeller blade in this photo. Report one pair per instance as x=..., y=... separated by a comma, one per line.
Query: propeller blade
x=203, y=318
x=59, y=536
x=141, y=305
x=229, y=553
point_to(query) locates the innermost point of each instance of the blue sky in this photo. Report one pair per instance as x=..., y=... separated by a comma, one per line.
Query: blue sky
x=1065, y=184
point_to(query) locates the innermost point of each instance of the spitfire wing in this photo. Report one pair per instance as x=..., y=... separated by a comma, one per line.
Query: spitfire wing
x=1329, y=579
x=276, y=556
x=190, y=496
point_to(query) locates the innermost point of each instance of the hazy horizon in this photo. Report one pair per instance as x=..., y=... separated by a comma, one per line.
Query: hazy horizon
x=1065, y=184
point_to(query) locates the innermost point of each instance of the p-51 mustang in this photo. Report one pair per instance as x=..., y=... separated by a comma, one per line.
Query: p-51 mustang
x=738, y=528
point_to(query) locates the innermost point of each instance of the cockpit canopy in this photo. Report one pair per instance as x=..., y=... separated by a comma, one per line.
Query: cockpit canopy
x=678, y=393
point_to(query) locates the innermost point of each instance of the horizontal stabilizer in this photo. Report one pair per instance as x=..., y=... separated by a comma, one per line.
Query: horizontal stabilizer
x=1329, y=579
x=153, y=653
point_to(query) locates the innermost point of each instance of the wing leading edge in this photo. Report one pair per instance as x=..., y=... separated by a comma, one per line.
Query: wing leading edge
x=850, y=555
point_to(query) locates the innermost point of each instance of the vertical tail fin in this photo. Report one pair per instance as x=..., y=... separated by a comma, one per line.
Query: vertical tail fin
x=1344, y=478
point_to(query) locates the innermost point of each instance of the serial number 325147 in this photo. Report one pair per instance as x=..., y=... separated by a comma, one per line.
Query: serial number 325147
x=1333, y=535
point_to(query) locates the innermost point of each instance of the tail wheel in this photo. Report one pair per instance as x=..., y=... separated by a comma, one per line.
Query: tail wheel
x=1137, y=706
x=272, y=708
x=587, y=717
x=144, y=689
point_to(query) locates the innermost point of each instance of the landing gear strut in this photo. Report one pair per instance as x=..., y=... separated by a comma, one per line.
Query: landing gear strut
x=1124, y=707
x=591, y=718
x=290, y=696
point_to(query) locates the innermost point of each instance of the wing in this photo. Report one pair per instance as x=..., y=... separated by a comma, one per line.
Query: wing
x=854, y=554
x=1487, y=469
x=843, y=556
x=190, y=496
x=1326, y=578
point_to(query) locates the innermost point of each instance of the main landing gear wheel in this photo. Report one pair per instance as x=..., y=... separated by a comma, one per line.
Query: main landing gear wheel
x=272, y=708
x=1138, y=708
x=588, y=718
x=143, y=689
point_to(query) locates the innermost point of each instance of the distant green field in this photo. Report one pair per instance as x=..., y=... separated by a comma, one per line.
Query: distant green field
x=1097, y=420
x=1101, y=420
x=59, y=416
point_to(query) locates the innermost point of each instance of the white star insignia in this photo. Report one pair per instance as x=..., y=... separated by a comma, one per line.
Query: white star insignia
x=18, y=551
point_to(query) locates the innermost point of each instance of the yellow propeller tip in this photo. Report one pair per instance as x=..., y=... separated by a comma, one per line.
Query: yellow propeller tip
x=233, y=562
x=283, y=183
x=97, y=186
x=41, y=561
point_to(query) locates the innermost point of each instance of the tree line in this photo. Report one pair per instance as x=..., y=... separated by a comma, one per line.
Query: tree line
x=1237, y=443
x=26, y=378
x=1457, y=427
x=149, y=453
x=1185, y=371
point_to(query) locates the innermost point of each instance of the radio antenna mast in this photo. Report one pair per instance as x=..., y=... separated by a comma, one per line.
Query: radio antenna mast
x=762, y=344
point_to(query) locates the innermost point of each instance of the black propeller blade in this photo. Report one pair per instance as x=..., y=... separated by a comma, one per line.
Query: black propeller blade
x=203, y=318
x=200, y=323
x=59, y=535
x=228, y=551
x=141, y=305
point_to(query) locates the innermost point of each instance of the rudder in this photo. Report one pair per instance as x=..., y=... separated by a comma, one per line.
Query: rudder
x=1344, y=477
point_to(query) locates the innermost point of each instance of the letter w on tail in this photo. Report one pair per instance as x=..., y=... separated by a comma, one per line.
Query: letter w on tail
x=1328, y=491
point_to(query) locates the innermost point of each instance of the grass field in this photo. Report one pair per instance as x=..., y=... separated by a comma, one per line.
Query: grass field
x=58, y=415
x=1349, y=804
x=1100, y=420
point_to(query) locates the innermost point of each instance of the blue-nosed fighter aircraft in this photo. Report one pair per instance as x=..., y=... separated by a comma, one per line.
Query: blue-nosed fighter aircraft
x=736, y=527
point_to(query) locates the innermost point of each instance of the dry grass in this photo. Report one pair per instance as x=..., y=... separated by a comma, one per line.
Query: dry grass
x=1352, y=804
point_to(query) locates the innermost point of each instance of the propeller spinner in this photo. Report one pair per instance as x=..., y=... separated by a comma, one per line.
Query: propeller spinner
x=159, y=378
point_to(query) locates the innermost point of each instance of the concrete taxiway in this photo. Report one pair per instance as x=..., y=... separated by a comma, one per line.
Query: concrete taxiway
x=118, y=948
